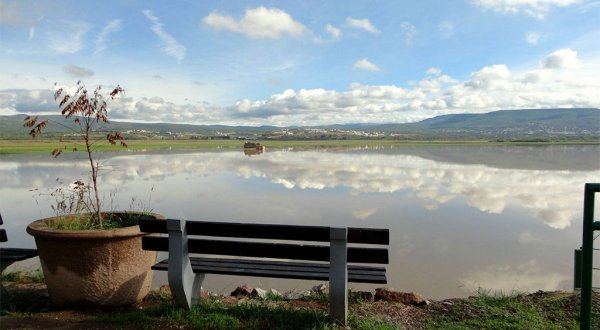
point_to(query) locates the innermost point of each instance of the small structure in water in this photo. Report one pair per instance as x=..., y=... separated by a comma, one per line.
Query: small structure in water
x=254, y=145
x=253, y=148
x=251, y=152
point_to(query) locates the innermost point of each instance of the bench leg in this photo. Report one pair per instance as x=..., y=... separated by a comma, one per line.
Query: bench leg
x=338, y=275
x=185, y=285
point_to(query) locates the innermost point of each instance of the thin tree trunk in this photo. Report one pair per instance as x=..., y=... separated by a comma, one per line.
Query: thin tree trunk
x=88, y=146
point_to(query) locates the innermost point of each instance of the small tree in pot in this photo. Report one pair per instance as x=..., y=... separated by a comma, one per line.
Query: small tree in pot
x=88, y=113
x=101, y=262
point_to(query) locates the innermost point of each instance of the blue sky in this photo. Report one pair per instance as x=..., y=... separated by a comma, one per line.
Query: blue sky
x=302, y=62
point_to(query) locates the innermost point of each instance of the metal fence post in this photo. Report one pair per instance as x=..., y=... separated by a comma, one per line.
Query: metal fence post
x=587, y=257
x=577, y=269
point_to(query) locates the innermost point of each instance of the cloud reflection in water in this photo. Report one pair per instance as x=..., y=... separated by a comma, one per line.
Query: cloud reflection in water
x=458, y=216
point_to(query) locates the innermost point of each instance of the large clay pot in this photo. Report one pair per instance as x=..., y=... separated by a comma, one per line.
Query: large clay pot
x=94, y=268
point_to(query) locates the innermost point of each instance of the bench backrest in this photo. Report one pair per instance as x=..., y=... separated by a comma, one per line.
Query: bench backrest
x=248, y=242
x=3, y=237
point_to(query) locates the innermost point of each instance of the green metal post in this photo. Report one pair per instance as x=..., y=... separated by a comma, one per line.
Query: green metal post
x=577, y=269
x=588, y=255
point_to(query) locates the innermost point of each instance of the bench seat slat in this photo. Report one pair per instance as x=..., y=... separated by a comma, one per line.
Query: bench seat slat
x=16, y=254
x=279, y=269
x=269, y=231
x=302, y=267
x=268, y=250
x=273, y=263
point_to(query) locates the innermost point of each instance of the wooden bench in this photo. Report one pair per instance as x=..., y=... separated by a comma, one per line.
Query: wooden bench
x=8, y=256
x=245, y=252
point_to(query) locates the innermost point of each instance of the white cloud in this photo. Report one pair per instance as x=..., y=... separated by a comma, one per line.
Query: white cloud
x=364, y=214
x=19, y=13
x=171, y=46
x=490, y=77
x=333, y=31
x=110, y=27
x=587, y=6
x=67, y=37
x=491, y=88
x=527, y=237
x=508, y=279
x=560, y=80
x=534, y=8
x=365, y=64
x=533, y=38
x=15, y=101
x=259, y=22
x=446, y=29
x=363, y=24
x=562, y=59
x=434, y=71
x=22, y=14
x=33, y=27
x=77, y=71
x=408, y=31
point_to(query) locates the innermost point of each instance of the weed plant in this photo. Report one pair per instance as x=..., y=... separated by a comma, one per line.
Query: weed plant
x=497, y=310
x=23, y=277
x=82, y=222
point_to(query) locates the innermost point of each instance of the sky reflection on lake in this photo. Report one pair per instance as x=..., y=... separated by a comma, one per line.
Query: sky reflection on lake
x=460, y=217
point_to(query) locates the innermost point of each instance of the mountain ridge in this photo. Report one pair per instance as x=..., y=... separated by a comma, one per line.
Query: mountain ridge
x=576, y=122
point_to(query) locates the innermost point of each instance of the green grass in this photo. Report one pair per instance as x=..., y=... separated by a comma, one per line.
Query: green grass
x=85, y=222
x=214, y=314
x=366, y=323
x=502, y=311
x=22, y=304
x=485, y=310
x=23, y=277
x=46, y=146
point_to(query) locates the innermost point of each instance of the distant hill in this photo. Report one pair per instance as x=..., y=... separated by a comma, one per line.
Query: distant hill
x=503, y=124
x=12, y=127
x=508, y=123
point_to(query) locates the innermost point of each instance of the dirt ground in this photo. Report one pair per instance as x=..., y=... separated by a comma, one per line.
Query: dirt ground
x=44, y=316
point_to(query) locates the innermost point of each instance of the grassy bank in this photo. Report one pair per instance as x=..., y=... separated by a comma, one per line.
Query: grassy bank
x=28, y=307
x=41, y=146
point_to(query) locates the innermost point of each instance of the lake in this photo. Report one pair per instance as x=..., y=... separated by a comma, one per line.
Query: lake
x=460, y=217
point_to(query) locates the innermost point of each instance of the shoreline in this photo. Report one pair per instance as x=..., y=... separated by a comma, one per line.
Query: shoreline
x=44, y=146
x=30, y=308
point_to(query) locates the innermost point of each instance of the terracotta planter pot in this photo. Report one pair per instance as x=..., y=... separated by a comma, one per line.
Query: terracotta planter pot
x=94, y=268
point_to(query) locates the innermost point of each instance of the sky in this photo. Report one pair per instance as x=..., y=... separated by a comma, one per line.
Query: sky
x=306, y=62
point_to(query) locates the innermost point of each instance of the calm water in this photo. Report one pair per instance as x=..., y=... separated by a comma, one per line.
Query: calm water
x=502, y=218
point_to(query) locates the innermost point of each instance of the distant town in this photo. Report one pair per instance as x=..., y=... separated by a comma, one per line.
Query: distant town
x=280, y=134
x=502, y=125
